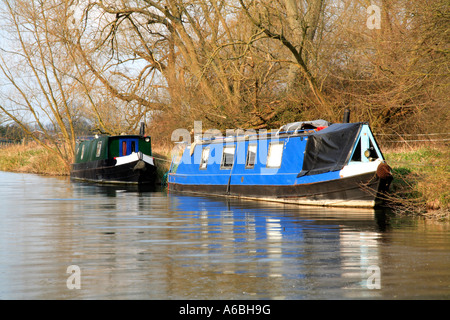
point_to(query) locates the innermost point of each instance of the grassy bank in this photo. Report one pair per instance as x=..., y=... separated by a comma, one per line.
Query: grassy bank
x=421, y=184
x=162, y=157
x=31, y=158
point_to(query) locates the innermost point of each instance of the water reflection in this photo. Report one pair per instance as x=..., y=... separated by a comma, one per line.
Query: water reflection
x=140, y=244
x=281, y=241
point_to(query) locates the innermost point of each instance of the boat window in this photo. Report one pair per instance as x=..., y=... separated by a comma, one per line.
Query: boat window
x=82, y=152
x=275, y=154
x=124, y=148
x=133, y=146
x=372, y=151
x=357, y=153
x=99, y=149
x=227, y=157
x=205, y=157
x=251, y=156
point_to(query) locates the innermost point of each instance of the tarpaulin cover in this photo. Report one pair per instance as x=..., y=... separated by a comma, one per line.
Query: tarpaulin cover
x=330, y=149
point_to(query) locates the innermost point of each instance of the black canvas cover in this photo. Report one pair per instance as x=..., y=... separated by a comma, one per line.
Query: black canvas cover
x=330, y=149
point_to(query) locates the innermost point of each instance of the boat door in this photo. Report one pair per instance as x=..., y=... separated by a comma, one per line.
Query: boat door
x=128, y=146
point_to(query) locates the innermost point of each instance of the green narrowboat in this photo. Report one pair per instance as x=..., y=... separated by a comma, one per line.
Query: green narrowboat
x=124, y=159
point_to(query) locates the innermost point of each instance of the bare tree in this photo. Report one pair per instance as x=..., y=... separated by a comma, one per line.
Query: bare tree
x=394, y=76
x=294, y=25
x=191, y=60
x=39, y=92
x=248, y=64
x=261, y=62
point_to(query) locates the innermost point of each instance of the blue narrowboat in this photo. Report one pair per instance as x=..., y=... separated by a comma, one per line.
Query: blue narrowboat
x=306, y=163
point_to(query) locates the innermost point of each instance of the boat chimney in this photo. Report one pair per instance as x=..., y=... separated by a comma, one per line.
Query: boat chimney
x=142, y=130
x=346, y=116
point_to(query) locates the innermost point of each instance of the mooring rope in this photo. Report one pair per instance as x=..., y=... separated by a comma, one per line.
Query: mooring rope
x=161, y=159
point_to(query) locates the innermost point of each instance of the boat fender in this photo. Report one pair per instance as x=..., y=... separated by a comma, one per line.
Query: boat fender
x=140, y=165
x=385, y=175
x=384, y=170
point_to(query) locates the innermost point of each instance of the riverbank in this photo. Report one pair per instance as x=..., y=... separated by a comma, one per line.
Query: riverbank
x=421, y=184
x=420, y=187
x=31, y=158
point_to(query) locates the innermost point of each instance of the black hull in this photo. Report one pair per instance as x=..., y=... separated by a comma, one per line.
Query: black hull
x=106, y=172
x=358, y=191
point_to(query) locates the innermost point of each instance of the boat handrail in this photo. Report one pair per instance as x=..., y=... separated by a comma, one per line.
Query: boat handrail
x=224, y=139
x=279, y=130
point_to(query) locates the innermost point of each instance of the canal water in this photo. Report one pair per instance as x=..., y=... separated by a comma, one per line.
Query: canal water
x=65, y=240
